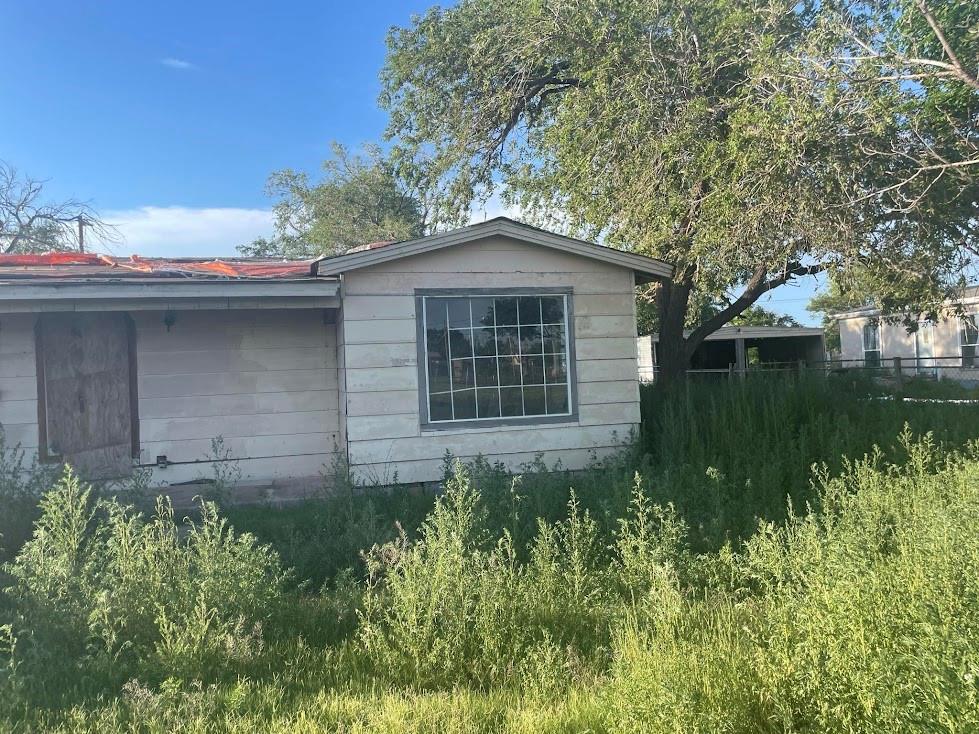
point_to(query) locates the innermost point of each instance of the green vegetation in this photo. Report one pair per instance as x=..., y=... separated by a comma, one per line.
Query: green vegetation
x=727, y=585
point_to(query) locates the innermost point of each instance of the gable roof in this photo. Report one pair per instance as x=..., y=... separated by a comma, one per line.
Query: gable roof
x=646, y=268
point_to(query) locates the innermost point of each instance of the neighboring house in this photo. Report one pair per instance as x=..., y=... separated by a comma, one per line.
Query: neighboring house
x=739, y=348
x=946, y=348
x=496, y=339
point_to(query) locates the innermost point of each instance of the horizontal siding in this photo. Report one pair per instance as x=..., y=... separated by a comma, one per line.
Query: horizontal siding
x=366, y=283
x=260, y=424
x=383, y=402
x=236, y=383
x=264, y=381
x=426, y=470
x=621, y=391
x=18, y=388
x=238, y=448
x=242, y=404
x=22, y=434
x=264, y=469
x=497, y=441
x=180, y=362
x=18, y=382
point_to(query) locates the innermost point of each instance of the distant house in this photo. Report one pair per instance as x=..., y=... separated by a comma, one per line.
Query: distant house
x=945, y=349
x=497, y=339
x=740, y=348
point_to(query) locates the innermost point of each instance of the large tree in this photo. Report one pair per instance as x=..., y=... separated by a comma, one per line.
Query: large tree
x=360, y=199
x=31, y=223
x=742, y=141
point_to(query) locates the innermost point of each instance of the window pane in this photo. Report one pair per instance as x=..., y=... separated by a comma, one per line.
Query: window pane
x=529, y=309
x=435, y=313
x=460, y=342
x=488, y=403
x=509, y=370
x=462, y=374
x=506, y=311
x=511, y=401
x=871, y=337
x=557, y=399
x=440, y=407
x=458, y=313
x=532, y=369
x=871, y=358
x=464, y=402
x=507, y=340
x=533, y=401
x=530, y=340
x=555, y=369
x=484, y=342
x=552, y=309
x=486, y=372
x=969, y=331
x=438, y=375
x=554, y=339
x=968, y=355
x=482, y=310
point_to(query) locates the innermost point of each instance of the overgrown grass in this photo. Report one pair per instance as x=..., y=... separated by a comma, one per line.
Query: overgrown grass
x=641, y=601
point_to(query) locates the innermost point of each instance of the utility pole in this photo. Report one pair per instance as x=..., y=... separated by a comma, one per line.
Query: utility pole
x=81, y=232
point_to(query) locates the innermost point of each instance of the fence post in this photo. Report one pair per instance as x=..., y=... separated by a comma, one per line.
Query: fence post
x=898, y=371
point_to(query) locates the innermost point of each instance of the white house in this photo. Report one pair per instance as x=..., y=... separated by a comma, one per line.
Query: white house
x=947, y=348
x=497, y=339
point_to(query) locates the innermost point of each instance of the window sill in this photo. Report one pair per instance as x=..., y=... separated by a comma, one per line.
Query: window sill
x=510, y=424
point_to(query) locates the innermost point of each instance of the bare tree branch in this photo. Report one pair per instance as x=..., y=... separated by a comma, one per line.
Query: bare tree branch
x=29, y=225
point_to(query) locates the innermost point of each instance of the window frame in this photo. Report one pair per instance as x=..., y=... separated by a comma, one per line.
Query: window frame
x=465, y=423
x=963, y=319
x=863, y=343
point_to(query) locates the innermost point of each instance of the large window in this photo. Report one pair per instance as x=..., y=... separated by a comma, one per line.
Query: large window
x=496, y=356
x=969, y=340
x=871, y=344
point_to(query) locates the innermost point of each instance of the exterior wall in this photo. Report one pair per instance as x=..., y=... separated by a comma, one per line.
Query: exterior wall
x=18, y=382
x=895, y=341
x=384, y=435
x=265, y=381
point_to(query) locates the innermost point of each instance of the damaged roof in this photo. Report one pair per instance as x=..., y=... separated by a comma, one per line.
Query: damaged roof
x=76, y=266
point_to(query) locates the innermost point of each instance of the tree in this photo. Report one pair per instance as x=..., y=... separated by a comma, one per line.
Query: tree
x=719, y=136
x=361, y=199
x=760, y=316
x=28, y=224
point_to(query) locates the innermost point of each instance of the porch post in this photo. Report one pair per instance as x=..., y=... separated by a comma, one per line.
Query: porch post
x=741, y=362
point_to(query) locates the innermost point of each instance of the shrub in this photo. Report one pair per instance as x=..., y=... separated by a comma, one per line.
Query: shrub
x=101, y=588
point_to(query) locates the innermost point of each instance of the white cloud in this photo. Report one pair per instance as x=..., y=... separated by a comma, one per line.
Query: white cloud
x=180, y=64
x=176, y=231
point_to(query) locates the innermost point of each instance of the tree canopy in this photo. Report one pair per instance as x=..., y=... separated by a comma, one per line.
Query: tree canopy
x=747, y=143
x=360, y=199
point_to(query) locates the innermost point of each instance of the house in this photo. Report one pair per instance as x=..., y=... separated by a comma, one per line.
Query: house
x=497, y=339
x=946, y=348
x=739, y=348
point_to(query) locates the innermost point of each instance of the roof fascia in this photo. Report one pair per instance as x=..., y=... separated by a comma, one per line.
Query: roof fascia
x=647, y=266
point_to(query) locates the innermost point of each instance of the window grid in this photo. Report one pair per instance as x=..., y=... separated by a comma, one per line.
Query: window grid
x=496, y=356
x=968, y=340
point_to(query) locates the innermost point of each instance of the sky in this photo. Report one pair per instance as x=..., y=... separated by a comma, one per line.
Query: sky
x=167, y=118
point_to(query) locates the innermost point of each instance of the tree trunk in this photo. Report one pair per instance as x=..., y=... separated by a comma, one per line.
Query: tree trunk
x=674, y=358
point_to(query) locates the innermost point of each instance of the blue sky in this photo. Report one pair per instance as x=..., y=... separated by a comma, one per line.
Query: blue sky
x=168, y=117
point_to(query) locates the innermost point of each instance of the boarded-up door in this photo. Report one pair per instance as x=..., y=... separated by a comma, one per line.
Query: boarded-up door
x=84, y=363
